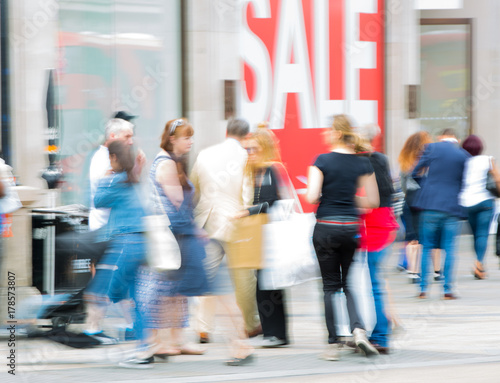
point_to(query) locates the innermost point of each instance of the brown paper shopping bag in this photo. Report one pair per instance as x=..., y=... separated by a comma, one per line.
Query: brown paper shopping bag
x=245, y=247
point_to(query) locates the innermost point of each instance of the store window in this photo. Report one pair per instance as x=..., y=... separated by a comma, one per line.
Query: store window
x=114, y=55
x=445, y=62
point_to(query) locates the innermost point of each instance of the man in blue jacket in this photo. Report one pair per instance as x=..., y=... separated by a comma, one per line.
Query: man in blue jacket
x=444, y=163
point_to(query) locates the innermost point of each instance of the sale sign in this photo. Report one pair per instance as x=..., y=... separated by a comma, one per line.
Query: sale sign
x=305, y=61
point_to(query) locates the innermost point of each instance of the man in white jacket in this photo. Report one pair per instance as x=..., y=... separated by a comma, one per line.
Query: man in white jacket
x=218, y=176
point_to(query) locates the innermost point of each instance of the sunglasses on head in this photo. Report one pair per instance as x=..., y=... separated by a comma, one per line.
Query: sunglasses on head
x=175, y=124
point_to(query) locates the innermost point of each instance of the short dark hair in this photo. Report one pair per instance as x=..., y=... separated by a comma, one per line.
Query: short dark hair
x=473, y=145
x=449, y=132
x=237, y=127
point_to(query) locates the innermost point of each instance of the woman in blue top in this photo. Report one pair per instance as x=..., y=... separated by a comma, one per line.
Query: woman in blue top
x=333, y=182
x=126, y=251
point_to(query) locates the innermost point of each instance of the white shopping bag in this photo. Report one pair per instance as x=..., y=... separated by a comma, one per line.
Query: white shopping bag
x=360, y=285
x=289, y=256
x=162, y=248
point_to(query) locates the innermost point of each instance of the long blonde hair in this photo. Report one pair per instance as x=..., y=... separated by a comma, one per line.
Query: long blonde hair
x=269, y=144
x=349, y=138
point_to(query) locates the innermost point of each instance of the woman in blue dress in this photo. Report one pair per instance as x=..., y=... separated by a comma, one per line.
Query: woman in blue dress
x=163, y=296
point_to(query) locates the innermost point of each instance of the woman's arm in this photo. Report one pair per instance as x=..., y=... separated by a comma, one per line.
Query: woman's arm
x=372, y=200
x=168, y=178
x=314, y=185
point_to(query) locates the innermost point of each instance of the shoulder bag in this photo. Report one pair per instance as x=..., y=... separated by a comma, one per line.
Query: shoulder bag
x=162, y=249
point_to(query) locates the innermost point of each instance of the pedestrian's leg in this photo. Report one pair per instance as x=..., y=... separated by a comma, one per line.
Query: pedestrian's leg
x=346, y=252
x=484, y=216
x=450, y=232
x=325, y=244
x=272, y=313
x=245, y=287
x=381, y=331
x=205, y=313
x=236, y=338
x=429, y=229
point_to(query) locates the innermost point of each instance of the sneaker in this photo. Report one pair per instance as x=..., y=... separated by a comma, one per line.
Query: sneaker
x=103, y=339
x=332, y=352
x=363, y=343
x=138, y=363
x=414, y=278
x=272, y=342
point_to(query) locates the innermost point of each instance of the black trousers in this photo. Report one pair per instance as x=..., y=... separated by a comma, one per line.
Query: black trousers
x=335, y=246
x=272, y=312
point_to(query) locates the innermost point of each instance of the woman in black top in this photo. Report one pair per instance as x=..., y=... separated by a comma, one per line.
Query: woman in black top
x=333, y=181
x=264, y=170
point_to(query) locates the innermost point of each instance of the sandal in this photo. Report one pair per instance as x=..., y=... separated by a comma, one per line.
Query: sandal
x=479, y=272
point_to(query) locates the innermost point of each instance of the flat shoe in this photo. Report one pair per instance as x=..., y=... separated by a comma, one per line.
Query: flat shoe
x=240, y=361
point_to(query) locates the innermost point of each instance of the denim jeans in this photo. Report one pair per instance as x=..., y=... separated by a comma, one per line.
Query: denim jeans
x=438, y=230
x=335, y=247
x=479, y=219
x=382, y=330
x=130, y=252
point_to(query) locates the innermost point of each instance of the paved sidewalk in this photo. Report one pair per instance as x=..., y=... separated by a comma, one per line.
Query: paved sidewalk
x=443, y=341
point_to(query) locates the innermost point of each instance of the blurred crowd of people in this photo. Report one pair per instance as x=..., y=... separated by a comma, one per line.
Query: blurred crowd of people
x=243, y=176
x=444, y=183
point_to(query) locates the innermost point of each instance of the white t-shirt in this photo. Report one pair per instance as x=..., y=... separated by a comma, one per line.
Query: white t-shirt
x=474, y=187
x=98, y=167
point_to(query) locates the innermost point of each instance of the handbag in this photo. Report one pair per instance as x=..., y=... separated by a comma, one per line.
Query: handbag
x=289, y=255
x=245, y=246
x=491, y=184
x=162, y=249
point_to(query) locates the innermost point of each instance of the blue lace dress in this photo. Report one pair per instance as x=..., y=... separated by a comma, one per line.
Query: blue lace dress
x=162, y=297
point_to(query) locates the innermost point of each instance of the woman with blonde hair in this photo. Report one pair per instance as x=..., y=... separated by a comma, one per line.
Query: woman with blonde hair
x=408, y=158
x=268, y=176
x=333, y=181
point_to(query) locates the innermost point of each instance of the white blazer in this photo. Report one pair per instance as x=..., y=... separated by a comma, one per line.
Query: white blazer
x=221, y=191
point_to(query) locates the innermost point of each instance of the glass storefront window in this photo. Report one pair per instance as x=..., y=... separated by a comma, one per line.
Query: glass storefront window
x=114, y=55
x=445, y=58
